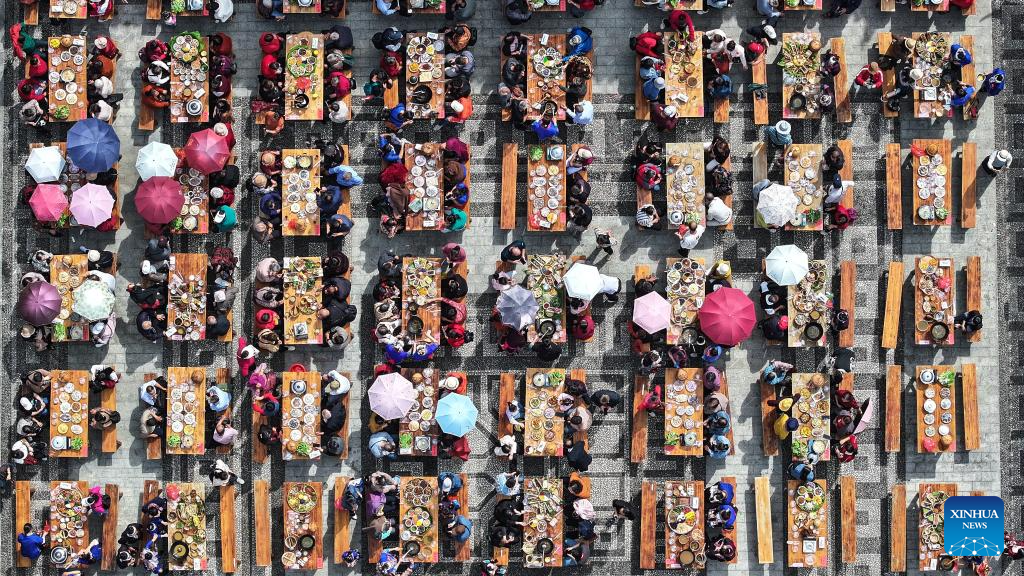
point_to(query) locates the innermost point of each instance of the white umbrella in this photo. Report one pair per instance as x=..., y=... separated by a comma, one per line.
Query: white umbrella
x=156, y=159
x=582, y=281
x=391, y=396
x=517, y=307
x=45, y=164
x=786, y=265
x=93, y=300
x=777, y=205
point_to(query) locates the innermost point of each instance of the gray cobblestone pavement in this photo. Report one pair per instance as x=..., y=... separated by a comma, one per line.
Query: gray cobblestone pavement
x=994, y=469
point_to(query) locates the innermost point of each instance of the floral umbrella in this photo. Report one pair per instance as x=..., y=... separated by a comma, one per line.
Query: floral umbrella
x=93, y=300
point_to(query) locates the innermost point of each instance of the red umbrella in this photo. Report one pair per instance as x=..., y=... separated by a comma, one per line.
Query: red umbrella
x=159, y=200
x=207, y=151
x=48, y=202
x=727, y=316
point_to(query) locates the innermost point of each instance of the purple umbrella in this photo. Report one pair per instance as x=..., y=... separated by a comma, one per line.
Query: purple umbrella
x=39, y=303
x=92, y=205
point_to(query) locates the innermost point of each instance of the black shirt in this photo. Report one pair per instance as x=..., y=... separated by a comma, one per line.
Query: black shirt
x=547, y=351
x=227, y=177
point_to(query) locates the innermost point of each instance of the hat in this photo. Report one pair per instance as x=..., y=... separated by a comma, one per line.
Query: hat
x=792, y=424
x=769, y=32
x=783, y=128
x=451, y=382
x=216, y=192
x=1004, y=156
x=267, y=158
x=96, y=328
x=220, y=128
x=259, y=180
x=93, y=255
x=100, y=43
x=446, y=484
x=198, y=376
x=671, y=111
x=26, y=330
x=146, y=267
x=916, y=73
x=659, y=82
x=219, y=296
x=586, y=153
x=837, y=180
x=456, y=106
x=784, y=322
x=339, y=384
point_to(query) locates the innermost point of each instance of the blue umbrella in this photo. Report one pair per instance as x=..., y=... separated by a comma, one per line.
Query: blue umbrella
x=93, y=146
x=456, y=414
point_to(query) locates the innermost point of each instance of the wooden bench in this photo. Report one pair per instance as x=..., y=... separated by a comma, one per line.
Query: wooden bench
x=721, y=110
x=848, y=513
x=727, y=200
x=343, y=432
x=642, y=108
x=506, y=394
x=261, y=503
x=888, y=76
x=110, y=534
x=847, y=299
x=888, y=5
x=841, y=83
x=763, y=511
x=154, y=9
x=22, y=516
x=846, y=172
x=224, y=383
x=898, y=529
x=30, y=14
x=638, y=440
x=147, y=118
x=893, y=187
x=463, y=550
x=759, y=74
x=374, y=546
x=968, y=185
x=760, y=161
x=893, y=300
x=228, y=562
x=509, y=177
x=259, y=449
x=154, y=446
x=648, y=524
x=893, y=408
x=974, y=291
x=969, y=389
x=769, y=441
x=970, y=10
x=108, y=400
x=342, y=518
x=391, y=97
x=581, y=375
x=967, y=74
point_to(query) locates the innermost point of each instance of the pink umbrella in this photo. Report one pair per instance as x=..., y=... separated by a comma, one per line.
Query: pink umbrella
x=727, y=316
x=866, y=415
x=92, y=205
x=48, y=202
x=207, y=151
x=159, y=200
x=39, y=303
x=652, y=312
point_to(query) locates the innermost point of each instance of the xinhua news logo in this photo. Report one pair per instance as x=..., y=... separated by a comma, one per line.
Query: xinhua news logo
x=973, y=525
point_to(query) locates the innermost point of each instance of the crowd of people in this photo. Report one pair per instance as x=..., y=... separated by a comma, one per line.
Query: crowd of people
x=33, y=89
x=155, y=59
x=541, y=117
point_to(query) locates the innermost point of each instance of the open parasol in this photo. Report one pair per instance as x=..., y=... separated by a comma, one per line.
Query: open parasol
x=93, y=300
x=156, y=159
x=456, y=414
x=92, y=205
x=39, y=303
x=45, y=164
x=652, y=312
x=582, y=281
x=93, y=145
x=48, y=202
x=786, y=265
x=867, y=412
x=517, y=307
x=391, y=396
x=159, y=200
x=207, y=151
x=776, y=205
x=727, y=316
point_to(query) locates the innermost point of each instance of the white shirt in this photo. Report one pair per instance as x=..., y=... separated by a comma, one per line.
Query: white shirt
x=582, y=118
x=225, y=10
x=104, y=87
x=341, y=114
x=719, y=214
x=834, y=195
x=690, y=239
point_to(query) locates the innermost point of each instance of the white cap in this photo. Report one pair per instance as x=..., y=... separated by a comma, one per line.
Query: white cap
x=219, y=296
x=457, y=106
x=216, y=192
x=770, y=32
x=93, y=255
x=783, y=127
x=671, y=111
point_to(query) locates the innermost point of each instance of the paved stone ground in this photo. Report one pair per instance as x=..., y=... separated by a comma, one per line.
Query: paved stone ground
x=608, y=363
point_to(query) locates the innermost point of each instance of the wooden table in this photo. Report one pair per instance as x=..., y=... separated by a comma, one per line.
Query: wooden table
x=928, y=553
x=923, y=107
x=189, y=409
x=57, y=10
x=787, y=89
x=942, y=6
x=812, y=153
x=439, y=9
x=180, y=93
x=70, y=389
x=814, y=537
x=301, y=323
x=684, y=184
x=300, y=415
x=411, y=424
x=77, y=267
x=549, y=511
x=293, y=7
x=418, y=298
x=299, y=214
x=680, y=91
x=684, y=301
x=76, y=64
x=195, y=187
x=935, y=389
x=813, y=407
x=73, y=178
x=802, y=6
x=538, y=439
x=678, y=395
x=795, y=334
x=691, y=495
x=296, y=79
x=535, y=265
x=946, y=300
x=942, y=164
x=188, y=273
x=435, y=108
x=299, y=523
x=544, y=218
x=66, y=502
x=191, y=504
x=433, y=204
x=418, y=498
x=535, y=94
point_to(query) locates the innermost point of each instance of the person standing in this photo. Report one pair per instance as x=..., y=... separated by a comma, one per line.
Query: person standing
x=997, y=161
x=605, y=240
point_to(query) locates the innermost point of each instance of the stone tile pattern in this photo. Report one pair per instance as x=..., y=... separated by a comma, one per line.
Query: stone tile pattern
x=611, y=136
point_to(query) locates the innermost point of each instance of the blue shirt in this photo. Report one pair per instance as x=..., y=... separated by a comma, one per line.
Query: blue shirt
x=31, y=545
x=961, y=100
x=724, y=90
x=460, y=538
x=586, y=43
x=352, y=180
x=393, y=116
x=651, y=90
x=544, y=132
x=965, y=58
x=991, y=87
x=219, y=401
x=376, y=444
x=582, y=118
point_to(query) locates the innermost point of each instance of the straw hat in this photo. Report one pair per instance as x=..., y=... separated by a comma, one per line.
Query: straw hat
x=198, y=376
x=783, y=128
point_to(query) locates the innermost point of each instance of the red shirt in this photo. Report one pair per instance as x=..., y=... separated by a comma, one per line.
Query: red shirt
x=265, y=67
x=645, y=44
x=394, y=174
x=270, y=43
x=869, y=79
